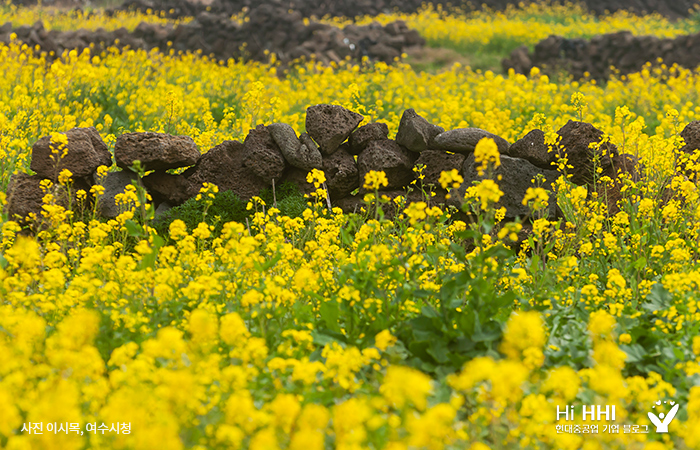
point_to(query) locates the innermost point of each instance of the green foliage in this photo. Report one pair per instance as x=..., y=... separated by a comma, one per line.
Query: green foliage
x=228, y=207
x=463, y=320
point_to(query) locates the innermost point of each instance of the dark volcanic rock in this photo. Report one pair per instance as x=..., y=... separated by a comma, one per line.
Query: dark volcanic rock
x=298, y=177
x=166, y=187
x=156, y=151
x=263, y=156
x=360, y=138
x=114, y=183
x=387, y=156
x=691, y=136
x=330, y=125
x=621, y=165
x=223, y=166
x=576, y=138
x=516, y=176
x=85, y=152
x=415, y=133
x=342, y=176
x=353, y=8
x=595, y=58
x=24, y=196
x=269, y=28
x=464, y=140
x=438, y=161
x=532, y=148
x=296, y=153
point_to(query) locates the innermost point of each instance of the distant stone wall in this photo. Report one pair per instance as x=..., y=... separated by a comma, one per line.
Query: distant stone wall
x=353, y=8
x=332, y=143
x=594, y=57
x=269, y=30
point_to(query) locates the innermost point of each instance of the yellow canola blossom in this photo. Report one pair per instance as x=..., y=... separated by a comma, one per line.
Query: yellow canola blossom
x=327, y=330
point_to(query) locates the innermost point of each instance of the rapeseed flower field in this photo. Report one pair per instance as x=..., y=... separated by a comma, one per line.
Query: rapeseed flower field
x=351, y=331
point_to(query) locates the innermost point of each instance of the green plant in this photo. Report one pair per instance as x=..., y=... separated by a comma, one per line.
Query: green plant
x=226, y=207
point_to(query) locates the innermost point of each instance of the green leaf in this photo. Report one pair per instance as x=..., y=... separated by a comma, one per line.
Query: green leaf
x=267, y=264
x=325, y=337
x=438, y=350
x=658, y=299
x=635, y=353
x=640, y=264
x=133, y=228
x=489, y=333
x=534, y=264
x=330, y=312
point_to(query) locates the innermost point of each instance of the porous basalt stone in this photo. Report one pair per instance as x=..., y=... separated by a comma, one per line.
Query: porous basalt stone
x=435, y=162
x=360, y=138
x=155, y=151
x=342, y=176
x=174, y=189
x=389, y=157
x=575, y=143
x=224, y=166
x=533, y=148
x=464, y=140
x=84, y=152
x=262, y=155
x=296, y=153
x=415, y=133
x=516, y=177
x=114, y=183
x=330, y=125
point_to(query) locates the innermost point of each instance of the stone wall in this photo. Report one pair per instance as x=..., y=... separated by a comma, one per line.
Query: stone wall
x=268, y=30
x=333, y=143
x=594, y=57
x=353, y=8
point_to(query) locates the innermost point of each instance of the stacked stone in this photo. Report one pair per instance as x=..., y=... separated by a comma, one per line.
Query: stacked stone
x=274, y=154
x=82, y=153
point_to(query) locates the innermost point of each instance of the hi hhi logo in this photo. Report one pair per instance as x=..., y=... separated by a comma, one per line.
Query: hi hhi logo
x=587, y=417
x=588, y=413
x=662, y=427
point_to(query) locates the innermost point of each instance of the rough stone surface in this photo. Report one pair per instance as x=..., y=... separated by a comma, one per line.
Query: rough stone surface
x=306, y=140
x=263, y=156
x=594, y=58
x=691, y=136
x=268, y=29
x=166, y=187
x=516, y=176
x=624, y=164
x=532, y=148
x=360, y=138
x=415, y=133
x=353, y=8
x=576, y=138
x=436, y=162
x=86, y=152
x=387, y=156
x=156, y=151
x=330, y=125
x=224, y=166
x=298, y=177
x=24, y=196
x=464, y=140
x=162, y=208
x=342, y=176
x=114, y=183
x=296, y=153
